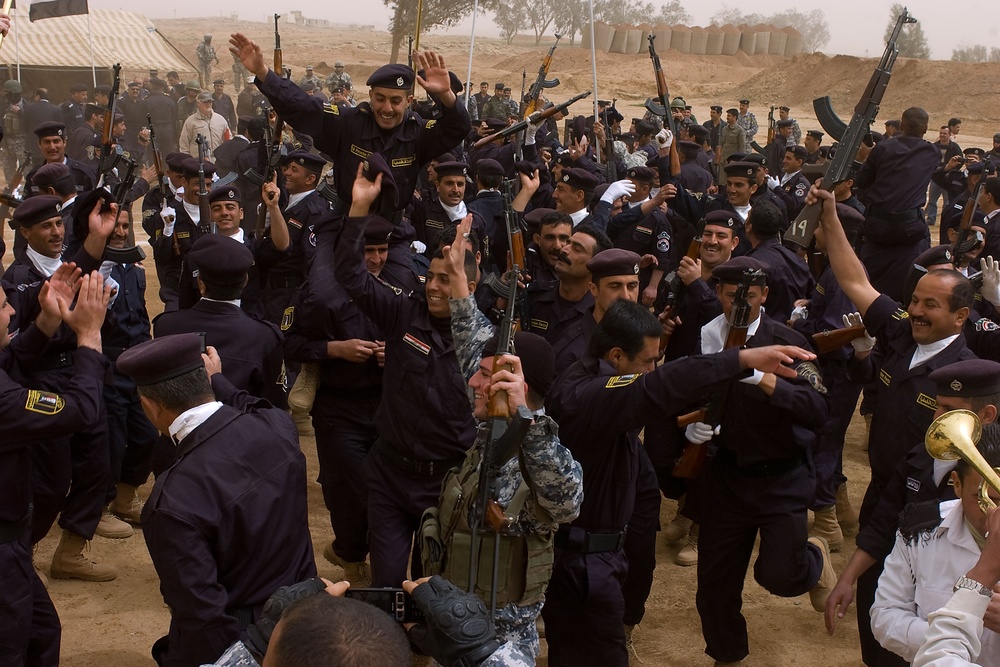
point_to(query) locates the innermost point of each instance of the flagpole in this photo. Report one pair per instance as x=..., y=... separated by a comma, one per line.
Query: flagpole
x=93, y=66
x=472, y=45
x=593, y=65
x=17, y=43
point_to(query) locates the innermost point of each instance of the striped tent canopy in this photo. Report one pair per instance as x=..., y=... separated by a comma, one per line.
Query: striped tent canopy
x=122, y=37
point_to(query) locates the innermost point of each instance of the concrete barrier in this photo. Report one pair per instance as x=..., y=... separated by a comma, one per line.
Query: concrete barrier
x=680, y=38
x=699, y=41
x=618, y=43
x=713, y=40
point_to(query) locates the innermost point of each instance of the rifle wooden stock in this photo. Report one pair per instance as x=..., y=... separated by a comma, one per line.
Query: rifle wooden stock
x=274, y=145
x=530, y=102
x=107, y=132
x=828, y=341
x=770, y=125
x=278, y=65
x=675, y=290
x=692, y=417
x=968, y=213
x=668, y=118
x=547, y=112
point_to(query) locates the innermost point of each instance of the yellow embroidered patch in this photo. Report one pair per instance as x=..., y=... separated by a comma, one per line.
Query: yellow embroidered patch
x=622, y=380
x=44, y=402
x=403, y=161
x=429, y=124
x=287, y=318
x=927, y=401
x=359, y=151
x=541, y=325
x=884, y=377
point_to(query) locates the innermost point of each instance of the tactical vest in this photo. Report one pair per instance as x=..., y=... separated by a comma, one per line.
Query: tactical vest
x=525, y=561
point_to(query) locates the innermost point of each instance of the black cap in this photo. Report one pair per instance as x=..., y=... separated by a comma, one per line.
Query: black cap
x=225, y=193
x=498, y=86
x=495, y=124
x=39, y=208
x=783, y=108
x=374, y=165
x=452, y=168
x=974, y=150
x=221, y=260
x=134, y=84
x=526, y=167
x=892, y=123
x=799, y=152
x=756, y=158
x=815, y=134
x=537, y=360
x=305, y=159
x=581, y=179
x=222, y=81
x=579, y=128
x=395, y=76
x=716, y=108
x=377, y=230
x=745, y=169
x=175, y=161
x=785, y=123
x=645, y=127
x=969, y=378
x=613, y=262
x=90, y=109
x=732, y=272
x=161, y=359
x=157, y=83
x=689, y=149
x=103, y=89
x=720, y=218
x=78, y=88
x=940, y=254
x=533, y=218
x=744, y=101
x=50, y=173
x=641, y=174
x=488, y=167
x=50, y=128
x=190, y=168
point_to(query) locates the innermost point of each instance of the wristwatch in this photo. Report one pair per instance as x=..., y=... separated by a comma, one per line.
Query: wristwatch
x=973, y=585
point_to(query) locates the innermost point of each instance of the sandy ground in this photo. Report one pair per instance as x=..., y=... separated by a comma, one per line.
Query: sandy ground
x=118, y=621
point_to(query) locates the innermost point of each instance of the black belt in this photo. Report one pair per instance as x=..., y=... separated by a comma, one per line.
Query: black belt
x=770, y=468
x=350, y=393
x=905, y=216
x=415, y=467
x=282, y=282
x=51, y=362
x=14, y=530
x=574, y=538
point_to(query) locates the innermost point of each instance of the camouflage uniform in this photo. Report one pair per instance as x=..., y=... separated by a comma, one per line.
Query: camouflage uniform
x=14, y=143
x=239, y=74
x=507, y=655
x=206, y=54
x=557, y=479
x=342, y=79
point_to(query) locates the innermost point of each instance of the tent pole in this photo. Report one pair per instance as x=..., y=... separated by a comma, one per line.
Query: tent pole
x=17, y=44
x=472, y=46
x=90, y=31
x=593, y=65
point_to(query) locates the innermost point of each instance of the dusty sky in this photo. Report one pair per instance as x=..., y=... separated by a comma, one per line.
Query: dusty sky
x=856, y=27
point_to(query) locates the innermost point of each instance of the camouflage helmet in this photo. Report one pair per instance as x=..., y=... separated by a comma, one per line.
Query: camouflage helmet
x=12, y=86
x=208, y=38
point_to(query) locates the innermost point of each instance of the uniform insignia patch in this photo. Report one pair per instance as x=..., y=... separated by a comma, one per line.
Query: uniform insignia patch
x=884, y=377
x=312, y=237
x=331, y=108
x=926, y=401
x=287, y=318
x=621, y=380
x=800, y=190
x=644, y=230
x=417, y=344
x=956, y=385
x=913, y=484
x=44, y=402
x=183, y=235
x=663, y=245
x=434, y=224
x=148, y=214
x=359, y=151
x=403, y=161
x=810, y=373
x=429, y=124
x=986, y=325
x=900, y=314
x=820, y=289
x=540, y=325
x=295, y=223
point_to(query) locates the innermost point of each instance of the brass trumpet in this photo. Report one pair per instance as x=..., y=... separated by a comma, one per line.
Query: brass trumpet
x=953, y=436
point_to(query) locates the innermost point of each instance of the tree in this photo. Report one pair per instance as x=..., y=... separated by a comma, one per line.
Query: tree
x=434, y=13
x=570, y=17
x=541, y=15
x=812, y=25
x=511, y=18
x=912, y=42
x=970, y=54
x=673, y=13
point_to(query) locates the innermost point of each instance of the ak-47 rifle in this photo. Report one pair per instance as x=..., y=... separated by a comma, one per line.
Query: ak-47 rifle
x=675, y=290
x=802, y=229
x=691, y=462
x=771, y=127
x=663, y=108
x=827, y=341
x=962, y=241
x=505, y=432
x=161, y=176
x=530, y=100
x=515, y=243
x=609, y=142
x=9, y=199
x=274, y=144
x=533, y=119
x=110, y=154
x=205, y=224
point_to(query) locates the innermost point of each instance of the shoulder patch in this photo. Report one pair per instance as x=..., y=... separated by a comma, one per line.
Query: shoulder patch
x=295, y=223
x=359, y=151
x=540, y=325
x=884, y=376
x=287, y=318
x=404, y=161
x=44, y=402
x=331, y=108
x=985, y=324
x=417, y=344
x=429, y=124
x=809, y=372
x=621, y=380
x=820, y=289
x=900, y=314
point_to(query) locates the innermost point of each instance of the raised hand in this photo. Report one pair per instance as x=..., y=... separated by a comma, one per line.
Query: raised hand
x=86, y=318
x=57, y=292
x=364, y=192
x=772, y=359
x=435, y=79
x=249, y=53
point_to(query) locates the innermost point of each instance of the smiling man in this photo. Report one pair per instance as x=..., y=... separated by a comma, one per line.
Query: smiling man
x=383, y=124
x=52, y=144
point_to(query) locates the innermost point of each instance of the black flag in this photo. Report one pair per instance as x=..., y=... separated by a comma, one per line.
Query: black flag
x=57, y=8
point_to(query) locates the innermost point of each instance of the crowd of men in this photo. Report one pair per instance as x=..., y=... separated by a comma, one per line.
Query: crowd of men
x=344, y=268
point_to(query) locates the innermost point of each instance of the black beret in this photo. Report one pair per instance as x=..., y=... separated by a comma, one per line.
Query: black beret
x=103, y=89
x=495, y=124
x=50, y=128
x=579, y=127
x=537, y=360
x=850, y=218
x=377, y=230
x=892, y=123
x=815, y=134
x=563, y=158
x=720, y=218
x=221, y=260
x=934, y=256
x=222, y=81
x=452, y=168
x=374, y=165
x=641, y=174
x=974, y=150
x=225, y=193
x=581, y=179
x=972, y=377
x=161, y=359
x=498, y=86
x=308, y=85
x=644, y=127
x=395, y=76
x=799, y=152
x=175, y=161
x=613, y=262
x=732, y=272
x=157, y=83
x=744, y=101
x=190, y=168
x=976, y=167
x=745, y=169
x=756, y=158
x=783, y=108
x=305, y=159
x=39, y=208
x=785, y=123
x=533, y=218
x=78, y=88
x=688, y=149
x=716, y=108
x=50, y=173
x=90, y=109
x=699, y=132
x=488, y=167
x=736, y=157
x=526, y=167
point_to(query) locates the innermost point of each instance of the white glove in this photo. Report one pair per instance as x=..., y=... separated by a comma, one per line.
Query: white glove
x=169, y=215
x=861, y=343
x=529, y=134
x=418, y=247
x=664, y=138
x=617, y=190
x=700, y=432
x=773, y=182
x=991, y=280
x=799, y=313
x=753, y=379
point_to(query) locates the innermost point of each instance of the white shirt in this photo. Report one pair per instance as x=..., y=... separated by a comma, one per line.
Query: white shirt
x=953, y=632
x=193, y=211
x=925, y=353
x=189, y=420
x=714, y=334
x=579, y=216
x=787, y=177
x=297, y=197
x=918, y=579
x=744, y=211
x=238, y=236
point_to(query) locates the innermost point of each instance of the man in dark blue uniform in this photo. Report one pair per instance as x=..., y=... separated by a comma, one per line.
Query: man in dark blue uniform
x=431, y=216
x=554, y=230
x=650, y=234
x=421, y=433
x=894, y=182
x=788, y=277
x=601, y=402
x=793, y=185
x=912, y=344
x=220, y=543
x=52, y=144
x=73, y=107
x=381, y=125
